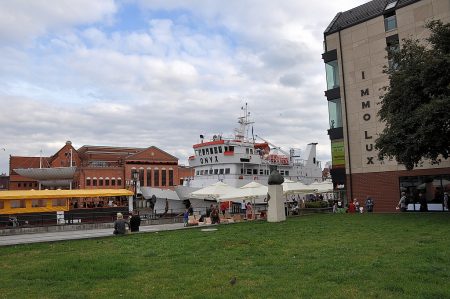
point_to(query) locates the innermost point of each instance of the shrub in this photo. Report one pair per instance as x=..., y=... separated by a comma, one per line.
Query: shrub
x=316, y=204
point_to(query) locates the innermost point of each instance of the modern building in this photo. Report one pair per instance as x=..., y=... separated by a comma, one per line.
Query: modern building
x=98, y=167
x=355, y=54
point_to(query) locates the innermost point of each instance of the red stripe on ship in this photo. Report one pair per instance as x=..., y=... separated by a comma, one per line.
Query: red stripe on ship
x=209, y=143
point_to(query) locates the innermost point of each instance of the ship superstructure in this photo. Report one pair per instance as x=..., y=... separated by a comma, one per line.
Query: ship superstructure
x=240, y=160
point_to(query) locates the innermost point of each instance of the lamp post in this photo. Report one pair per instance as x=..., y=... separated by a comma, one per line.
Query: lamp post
x=135, y=179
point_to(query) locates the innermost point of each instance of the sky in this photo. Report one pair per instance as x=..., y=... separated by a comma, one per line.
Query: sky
x=143, y=73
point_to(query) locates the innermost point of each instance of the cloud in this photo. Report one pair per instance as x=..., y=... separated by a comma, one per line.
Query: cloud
x=78, y=71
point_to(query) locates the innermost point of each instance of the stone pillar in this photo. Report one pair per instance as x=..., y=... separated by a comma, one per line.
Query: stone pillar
x=275, y=203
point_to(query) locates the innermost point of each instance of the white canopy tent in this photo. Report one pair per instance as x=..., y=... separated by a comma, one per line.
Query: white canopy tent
x=323, y=187
x=291, y=187
x=213, y=191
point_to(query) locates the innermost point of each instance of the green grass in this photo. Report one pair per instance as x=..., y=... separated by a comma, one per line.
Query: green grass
x=316, y=256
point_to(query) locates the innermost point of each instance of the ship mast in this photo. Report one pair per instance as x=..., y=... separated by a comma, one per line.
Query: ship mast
x=241, y=133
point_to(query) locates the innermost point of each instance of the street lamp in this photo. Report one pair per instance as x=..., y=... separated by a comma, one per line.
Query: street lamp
x=135, y=179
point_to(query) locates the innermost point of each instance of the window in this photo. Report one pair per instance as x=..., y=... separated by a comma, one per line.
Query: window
x=58, y=202
x=19, y=185
x=163, y=177
x=392, y=44
x=221, y=171
x=286, y=172
x=170, y=177
x=215, y=150
x=282, y=172
x=207, y=151
x=113, y=182
x=335, y=113
x=261, y=171
x=156, y=177
x=216, y=171
x=38, y=203
x=249, y=171
x=119, y=182
x=211, y=171
x=198, y=172
x=94, y=182
x=231, y=148
x=226, y=148
x=390, y=21
x=149, y=177
x=220, y=149
x=141, y=177
x=227, y=170
x=88, y=181
x=247, y=150
x=18, y=204
x=332, y=73
x=100, y=181
x=255, y=171
x=107, y=182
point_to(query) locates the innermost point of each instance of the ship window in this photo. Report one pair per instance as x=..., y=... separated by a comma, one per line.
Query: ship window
x=215, y=150
x=286, y=172
x=221, y=171
x=242, y=170
x=207, y=151
x=227, y=171
x=231, y=148
x=210, y=171
x=249, y=171
x=220, y=149
x=216, y=171
x=226, y=148
x=203, y=151
x=261, y=171
x=282, y=172
x=17, y=204
x=198, y=172
x=247, y=150
x=255, y=171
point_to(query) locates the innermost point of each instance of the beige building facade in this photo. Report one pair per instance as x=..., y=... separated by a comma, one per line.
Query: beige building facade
x=356, y=43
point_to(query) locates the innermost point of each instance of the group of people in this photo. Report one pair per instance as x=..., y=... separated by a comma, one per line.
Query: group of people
x=121, y=225
x=403, y=202
x=355, y=207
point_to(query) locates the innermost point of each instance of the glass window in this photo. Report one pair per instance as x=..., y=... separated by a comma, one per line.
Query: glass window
x=215, y=150
x=393, y=46
x=390, y=22
x=210, y=171
x=391, y=5
x=203, y=151
x=17, y=204
x=141, y=177
x=332, y=72
x=38, y=203
x=113, y=182
x=170, y=177
x=335, y=113
x=247, y=150
x=221, y=171
x=163, y=177
x=249, y=171
x=88, y=182
x=261, y=171
x=286, y=172
x=107, y=182
x=58, y=202
x=149, y=177
x=100, y=182
x=226, y=148
x=119, y=182
x=198, y=172
x=231, y=148
x=94, y=182
x=220, y=149
x=227, y=170
x=156, y=177
x=207, y=151
x=255, y=171
x=216, y=171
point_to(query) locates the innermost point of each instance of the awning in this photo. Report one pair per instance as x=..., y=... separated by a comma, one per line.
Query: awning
x=42, y=174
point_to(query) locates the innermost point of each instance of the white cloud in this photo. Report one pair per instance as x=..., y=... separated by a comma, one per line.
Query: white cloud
x=72, y=73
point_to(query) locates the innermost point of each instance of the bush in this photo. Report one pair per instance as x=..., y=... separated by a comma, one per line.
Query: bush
x=316, y=204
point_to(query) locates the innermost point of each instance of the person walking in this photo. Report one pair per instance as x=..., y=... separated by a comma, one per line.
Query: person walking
x=446, y=201
x=402, y=203
x=186, y=217
x=369, y=204
x=120, y=225
x=135, y=222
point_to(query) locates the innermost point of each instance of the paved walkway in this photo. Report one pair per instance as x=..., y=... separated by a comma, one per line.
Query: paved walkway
x=78, y=234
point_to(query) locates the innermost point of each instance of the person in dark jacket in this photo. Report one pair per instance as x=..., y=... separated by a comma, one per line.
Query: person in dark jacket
x=120, y=225
x=135, y=222
x=423, y=203
x=369, y=204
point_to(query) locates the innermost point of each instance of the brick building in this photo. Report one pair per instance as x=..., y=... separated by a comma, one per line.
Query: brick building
x=355, y=54
x=97, y=167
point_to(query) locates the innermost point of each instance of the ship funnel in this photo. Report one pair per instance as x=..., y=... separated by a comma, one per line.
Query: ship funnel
x=310, y=154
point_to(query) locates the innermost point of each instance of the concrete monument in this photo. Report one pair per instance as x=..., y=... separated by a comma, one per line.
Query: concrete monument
x=275, y=202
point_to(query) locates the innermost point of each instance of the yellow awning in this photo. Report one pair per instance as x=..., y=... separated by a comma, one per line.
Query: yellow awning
x=49, y=194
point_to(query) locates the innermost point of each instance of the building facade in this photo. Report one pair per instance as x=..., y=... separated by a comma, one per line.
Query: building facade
x=100, y=167
x=356, y=43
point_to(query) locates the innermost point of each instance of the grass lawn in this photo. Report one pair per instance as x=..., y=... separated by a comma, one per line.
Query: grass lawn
x=316, y=256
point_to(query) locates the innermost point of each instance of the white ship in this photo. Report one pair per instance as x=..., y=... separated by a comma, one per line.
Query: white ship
x=240, y=160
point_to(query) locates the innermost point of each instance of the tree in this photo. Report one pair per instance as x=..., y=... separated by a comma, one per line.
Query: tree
x=416, y=104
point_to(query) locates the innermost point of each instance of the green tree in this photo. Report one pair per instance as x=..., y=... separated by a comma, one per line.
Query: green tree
x=416, y=104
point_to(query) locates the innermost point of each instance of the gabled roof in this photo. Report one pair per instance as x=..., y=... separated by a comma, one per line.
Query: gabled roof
x=146, y=154
x=362, y=13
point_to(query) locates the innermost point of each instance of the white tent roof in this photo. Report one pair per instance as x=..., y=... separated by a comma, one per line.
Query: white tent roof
x=323, y=187
x=42, y=174
x=213, y=191
x=250, y=191
x=297, y=187
x=148, y=192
